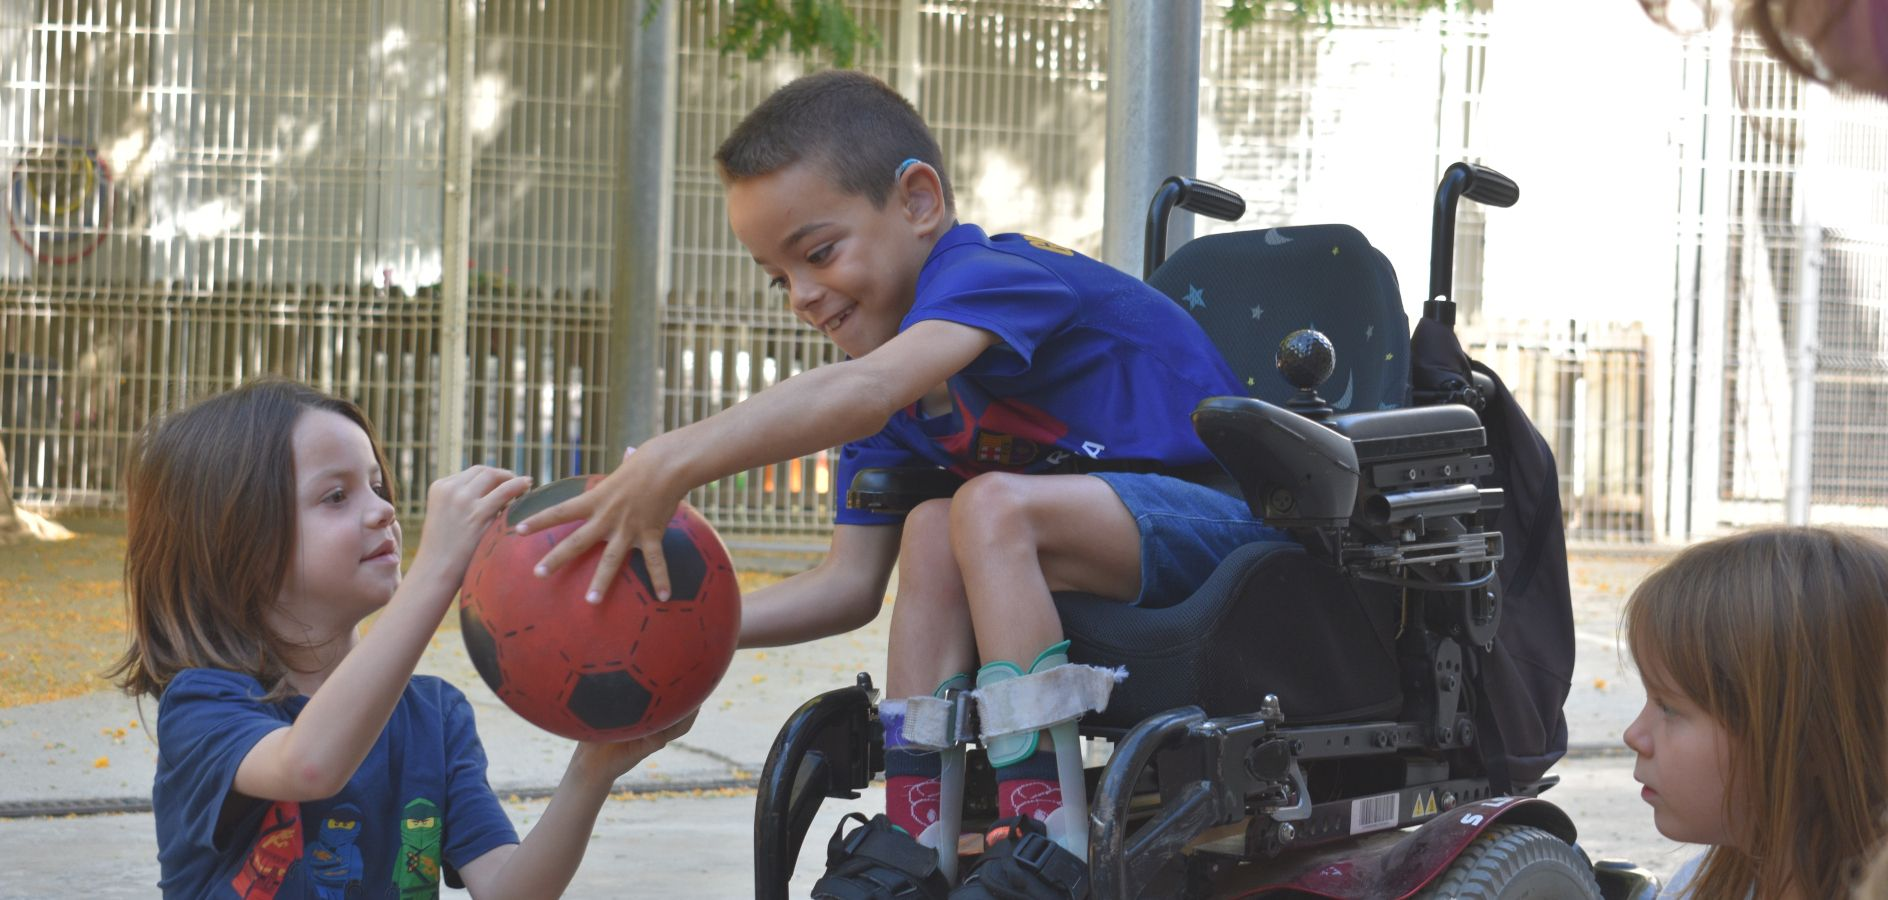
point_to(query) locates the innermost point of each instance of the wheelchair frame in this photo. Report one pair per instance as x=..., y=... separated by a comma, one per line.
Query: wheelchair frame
x=1225, y=797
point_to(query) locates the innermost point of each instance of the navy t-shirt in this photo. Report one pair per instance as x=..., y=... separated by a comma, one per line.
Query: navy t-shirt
x=1090, y=361
x=419, y=801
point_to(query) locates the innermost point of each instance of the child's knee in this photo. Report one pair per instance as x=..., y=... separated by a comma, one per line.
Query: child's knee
x=990, y=504
x=926, y=539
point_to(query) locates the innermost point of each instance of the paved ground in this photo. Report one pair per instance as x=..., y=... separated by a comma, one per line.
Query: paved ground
x=699, y=842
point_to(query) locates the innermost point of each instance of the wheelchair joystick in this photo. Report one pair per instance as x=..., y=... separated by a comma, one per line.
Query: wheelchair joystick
x=1306, y=358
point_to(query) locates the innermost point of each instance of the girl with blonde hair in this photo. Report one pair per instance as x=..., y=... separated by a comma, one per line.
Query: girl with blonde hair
x=1762, y=734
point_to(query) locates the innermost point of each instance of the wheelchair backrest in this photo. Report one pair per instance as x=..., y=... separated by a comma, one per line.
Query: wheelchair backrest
x=1249, y=289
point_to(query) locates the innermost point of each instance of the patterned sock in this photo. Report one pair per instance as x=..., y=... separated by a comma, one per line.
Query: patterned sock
x=912, y=788
x=1029, y=788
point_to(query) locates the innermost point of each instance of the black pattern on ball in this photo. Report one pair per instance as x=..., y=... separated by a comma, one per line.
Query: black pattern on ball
x=483, y=650
x=604, y=700
x=686, y=567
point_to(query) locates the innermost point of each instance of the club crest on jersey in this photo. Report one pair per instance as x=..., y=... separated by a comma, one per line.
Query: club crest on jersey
x=1050, y=246
x=996, y=448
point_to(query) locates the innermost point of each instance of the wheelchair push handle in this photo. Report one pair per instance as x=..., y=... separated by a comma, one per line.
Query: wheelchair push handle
x=1487, y=186
x=1476, y=182
x=1192, y=195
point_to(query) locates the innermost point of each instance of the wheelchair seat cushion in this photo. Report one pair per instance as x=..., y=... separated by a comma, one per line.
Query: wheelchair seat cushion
x=1270, y=620
x=1249, y=289
x=878, y=861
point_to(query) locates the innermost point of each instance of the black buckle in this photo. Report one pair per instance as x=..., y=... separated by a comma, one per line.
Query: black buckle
x=1033, y=851
x=1050, y=862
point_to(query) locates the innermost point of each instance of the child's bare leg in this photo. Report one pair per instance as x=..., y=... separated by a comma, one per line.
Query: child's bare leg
x=1017, y=538
x=1020, y=537
x=931, y=643
x=931, y=638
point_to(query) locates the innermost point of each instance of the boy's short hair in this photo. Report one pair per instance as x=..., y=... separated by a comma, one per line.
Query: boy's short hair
x=853, y=127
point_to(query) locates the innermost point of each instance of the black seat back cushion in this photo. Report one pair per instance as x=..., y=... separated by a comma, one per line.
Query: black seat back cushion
x=1270, y=620
x=1249, y=289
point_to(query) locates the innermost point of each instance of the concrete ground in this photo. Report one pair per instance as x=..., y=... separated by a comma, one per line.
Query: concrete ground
x=683, y=831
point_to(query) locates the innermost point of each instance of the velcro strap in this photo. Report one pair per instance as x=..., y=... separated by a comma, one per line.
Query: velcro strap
x=1051, y=863
x=875, y=843
x=926, y=723
x=1044, y=699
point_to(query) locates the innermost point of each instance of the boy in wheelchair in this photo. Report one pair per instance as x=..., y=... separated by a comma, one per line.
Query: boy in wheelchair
x=1057, y=388
x=1377, y=615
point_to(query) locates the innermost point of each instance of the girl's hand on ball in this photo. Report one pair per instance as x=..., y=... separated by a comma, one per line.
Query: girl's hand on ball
x=613, y=759
x=458, y=509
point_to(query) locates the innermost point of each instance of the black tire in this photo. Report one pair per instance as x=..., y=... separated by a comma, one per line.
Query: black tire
x=1511, y=862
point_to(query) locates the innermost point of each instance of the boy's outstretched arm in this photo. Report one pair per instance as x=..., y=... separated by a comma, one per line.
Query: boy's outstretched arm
x=543, y=864
x=812, y=411
x=843, y=593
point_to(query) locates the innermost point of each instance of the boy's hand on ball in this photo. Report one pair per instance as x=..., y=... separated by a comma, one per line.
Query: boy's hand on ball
x=459, y=507
x=627, y=512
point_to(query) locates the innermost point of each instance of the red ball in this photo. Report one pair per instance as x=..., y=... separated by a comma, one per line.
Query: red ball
x=620, y=669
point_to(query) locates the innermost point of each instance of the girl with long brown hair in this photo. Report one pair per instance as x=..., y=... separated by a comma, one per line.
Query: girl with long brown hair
x=297, y=757
x=1763, y=660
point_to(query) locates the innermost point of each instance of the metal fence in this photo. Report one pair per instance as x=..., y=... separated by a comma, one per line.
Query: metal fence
x=1767, y=161
x=202, y=190
x=1588, y=390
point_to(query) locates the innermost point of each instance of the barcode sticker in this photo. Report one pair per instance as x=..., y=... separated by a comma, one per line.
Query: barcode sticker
x=1372, y=813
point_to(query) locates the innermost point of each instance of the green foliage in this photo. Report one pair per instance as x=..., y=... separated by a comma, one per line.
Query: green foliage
x=1243, y=13
x=756, y=28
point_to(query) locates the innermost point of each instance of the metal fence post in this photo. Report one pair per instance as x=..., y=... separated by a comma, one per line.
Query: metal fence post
x=450, y=433
x=1807, y=309
x=641, y=234
x=1153, y=118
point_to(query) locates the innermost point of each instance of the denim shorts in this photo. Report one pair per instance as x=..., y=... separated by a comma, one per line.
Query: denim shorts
x=1186, y=529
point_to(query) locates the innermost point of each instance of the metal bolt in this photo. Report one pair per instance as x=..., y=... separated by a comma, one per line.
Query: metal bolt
x=1447, y=735
x=1269, y=707
x=1448, y=800
x=1447, y=471
x=1411, y=474
x=1286, y=833
x=1448, y=684
x=1297, y=747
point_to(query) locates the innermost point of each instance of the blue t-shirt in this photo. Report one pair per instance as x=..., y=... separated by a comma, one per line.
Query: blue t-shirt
x=419, y=801
x=1090, y=362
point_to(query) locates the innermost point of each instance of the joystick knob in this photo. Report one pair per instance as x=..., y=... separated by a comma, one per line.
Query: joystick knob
x=1305, y=359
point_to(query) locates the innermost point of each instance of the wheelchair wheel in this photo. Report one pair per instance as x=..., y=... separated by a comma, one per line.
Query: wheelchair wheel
x=1513, y=861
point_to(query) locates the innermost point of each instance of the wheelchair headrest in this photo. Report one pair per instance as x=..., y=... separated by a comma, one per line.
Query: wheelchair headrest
x=1248, y=289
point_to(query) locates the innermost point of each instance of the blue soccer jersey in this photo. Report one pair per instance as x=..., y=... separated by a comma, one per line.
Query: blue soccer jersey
x=419, y=804
x=1091, y=362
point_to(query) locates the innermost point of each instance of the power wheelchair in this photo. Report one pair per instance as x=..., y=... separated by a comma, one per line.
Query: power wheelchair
x=1329, y=716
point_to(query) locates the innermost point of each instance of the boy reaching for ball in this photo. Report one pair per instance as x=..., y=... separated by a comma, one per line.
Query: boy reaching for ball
x=1059, y=388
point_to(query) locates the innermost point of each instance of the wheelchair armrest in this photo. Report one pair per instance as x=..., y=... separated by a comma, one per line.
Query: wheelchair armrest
x=1294, y=472
x=899, y=490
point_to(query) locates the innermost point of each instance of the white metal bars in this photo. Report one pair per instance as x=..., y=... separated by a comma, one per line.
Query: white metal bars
x=1748, y=224
x=202, y=191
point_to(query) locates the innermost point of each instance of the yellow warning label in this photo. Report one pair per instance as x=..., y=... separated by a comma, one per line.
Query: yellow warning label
x=1424, y=806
